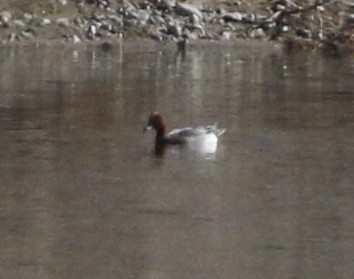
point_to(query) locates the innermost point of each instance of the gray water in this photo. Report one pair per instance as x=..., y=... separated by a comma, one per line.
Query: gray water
x=82, y=194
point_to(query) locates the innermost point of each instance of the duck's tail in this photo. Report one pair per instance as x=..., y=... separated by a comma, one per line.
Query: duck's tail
x=214, y=129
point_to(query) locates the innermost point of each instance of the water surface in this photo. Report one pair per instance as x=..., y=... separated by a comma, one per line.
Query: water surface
x=83, y=196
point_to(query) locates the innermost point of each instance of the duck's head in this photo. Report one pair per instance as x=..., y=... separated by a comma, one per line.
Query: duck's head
x=157, y=122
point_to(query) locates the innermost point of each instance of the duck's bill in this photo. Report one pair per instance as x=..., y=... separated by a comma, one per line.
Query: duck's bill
x=147, y=128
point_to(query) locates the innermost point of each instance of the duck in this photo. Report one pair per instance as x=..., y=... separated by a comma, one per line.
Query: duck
x=204, y=138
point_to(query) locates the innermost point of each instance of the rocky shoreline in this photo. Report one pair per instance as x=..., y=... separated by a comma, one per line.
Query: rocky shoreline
x=300, y=24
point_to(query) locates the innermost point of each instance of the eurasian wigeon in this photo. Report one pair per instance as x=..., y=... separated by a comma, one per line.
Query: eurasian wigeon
x=205, y=137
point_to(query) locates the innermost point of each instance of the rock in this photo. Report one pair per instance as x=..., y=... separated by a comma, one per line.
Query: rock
x=27, y=34
x=232, y=17
x=195, y=20
x=257, y=34
x=156, y=35
x=210, y=17
x=44, y=22
x=116, y=19
x=62, y=2
x=304, y=33
x=230, y=26
x=350, y=6
x=160, y=35
x=108, y=26
x=157, y=20
x=193, y=35
x=254, y=19
x=80, y=22
x=225, y=35
x=63, y=21
x=76, y=39
x=92, y=32
x=103, y=4
x=198, y=27
x=167, y=5
x=174, y=29
x=19, y=23
x=28, y=18
x=127, y=6
x=349, y=20
x=5, y=17
x=12, y=37
x=187, y=10
x=130, y=22
x=208, y=36
x=141, y=15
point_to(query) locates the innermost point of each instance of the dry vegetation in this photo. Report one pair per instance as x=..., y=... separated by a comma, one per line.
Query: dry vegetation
x=32, y=6
x=52, y=6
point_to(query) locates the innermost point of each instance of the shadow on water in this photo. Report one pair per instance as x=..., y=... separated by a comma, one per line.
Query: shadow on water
x=82, y=194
